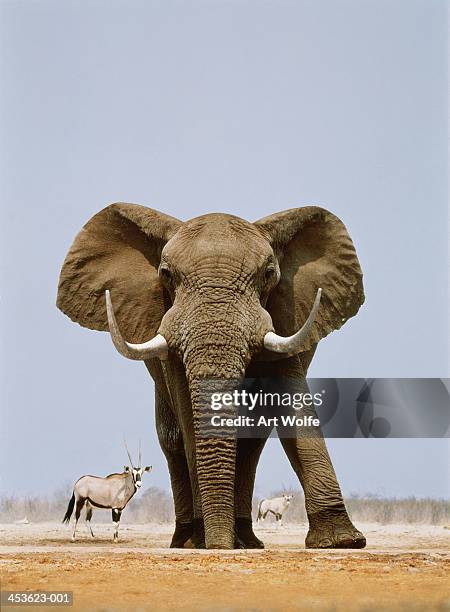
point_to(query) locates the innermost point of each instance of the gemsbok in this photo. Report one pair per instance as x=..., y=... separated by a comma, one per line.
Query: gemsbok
x=276, y=505
x=113, y=492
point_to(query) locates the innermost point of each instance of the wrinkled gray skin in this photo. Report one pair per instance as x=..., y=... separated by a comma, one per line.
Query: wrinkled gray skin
x=213, y=287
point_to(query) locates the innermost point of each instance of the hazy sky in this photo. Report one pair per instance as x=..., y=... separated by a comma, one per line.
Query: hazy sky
x=246, y=107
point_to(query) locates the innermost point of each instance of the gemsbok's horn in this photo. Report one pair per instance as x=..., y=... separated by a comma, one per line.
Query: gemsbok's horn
x=128, y=453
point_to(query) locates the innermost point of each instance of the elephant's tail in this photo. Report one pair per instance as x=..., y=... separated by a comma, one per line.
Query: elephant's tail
x=260, y=516
x=69, y=511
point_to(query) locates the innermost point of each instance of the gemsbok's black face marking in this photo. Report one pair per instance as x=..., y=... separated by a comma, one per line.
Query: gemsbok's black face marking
x=137, y=473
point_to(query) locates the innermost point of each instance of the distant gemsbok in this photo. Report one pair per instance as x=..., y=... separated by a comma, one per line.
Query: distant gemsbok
x=114, y=492
x=276, y=505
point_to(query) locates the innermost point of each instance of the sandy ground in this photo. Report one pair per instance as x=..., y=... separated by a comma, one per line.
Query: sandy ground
x=403, y=568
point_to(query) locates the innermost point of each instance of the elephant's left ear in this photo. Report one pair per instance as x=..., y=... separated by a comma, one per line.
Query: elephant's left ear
x=314, y=250
x=118, y=249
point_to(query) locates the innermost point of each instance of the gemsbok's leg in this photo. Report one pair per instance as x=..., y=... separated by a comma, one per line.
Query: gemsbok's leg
x=116, y=520
x=88, y=517
x=78, y=507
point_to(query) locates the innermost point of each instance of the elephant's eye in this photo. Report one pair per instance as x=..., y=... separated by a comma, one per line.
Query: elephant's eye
x=271, y=273
x=165, y=275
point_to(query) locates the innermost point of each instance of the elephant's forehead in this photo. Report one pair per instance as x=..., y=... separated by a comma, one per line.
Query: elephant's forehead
x=219, y=235
x=214, y=224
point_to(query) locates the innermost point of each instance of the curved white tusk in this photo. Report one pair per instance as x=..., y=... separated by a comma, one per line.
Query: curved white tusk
x=157, y=347
x=292, y=344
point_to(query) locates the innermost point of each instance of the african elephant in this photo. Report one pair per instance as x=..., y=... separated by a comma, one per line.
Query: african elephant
x=203, y=299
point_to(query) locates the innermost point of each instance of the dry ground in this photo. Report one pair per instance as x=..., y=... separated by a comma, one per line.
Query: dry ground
x=403, y=568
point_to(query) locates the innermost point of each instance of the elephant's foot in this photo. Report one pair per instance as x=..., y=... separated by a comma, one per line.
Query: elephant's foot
x=332, y=528
x=183, y=531
x=198, y=533
x=244, y=534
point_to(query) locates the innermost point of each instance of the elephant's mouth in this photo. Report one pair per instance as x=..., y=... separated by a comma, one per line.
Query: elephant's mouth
x=159, y=347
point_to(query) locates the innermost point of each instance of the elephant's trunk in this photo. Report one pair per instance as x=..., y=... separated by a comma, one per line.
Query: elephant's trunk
x=215, y=459
x=214, y=368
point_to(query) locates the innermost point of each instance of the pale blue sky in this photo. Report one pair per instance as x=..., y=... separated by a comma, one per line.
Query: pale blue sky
x=246, y=107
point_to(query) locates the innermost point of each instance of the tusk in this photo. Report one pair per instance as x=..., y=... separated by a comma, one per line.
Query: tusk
x=292, y=344
x=157, y=347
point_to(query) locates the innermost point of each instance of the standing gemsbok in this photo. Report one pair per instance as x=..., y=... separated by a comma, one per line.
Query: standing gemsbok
x=276, y=506
x=114, y=492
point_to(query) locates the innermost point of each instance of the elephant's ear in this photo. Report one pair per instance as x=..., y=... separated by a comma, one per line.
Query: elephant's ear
x=314, y=250
x=118, y=249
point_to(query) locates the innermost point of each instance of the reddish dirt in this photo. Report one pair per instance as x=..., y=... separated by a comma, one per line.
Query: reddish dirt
x=139, y=574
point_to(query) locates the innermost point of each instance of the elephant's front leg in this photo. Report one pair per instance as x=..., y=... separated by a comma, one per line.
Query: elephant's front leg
x=329, y=523
x=247, y=457
x=171, y=441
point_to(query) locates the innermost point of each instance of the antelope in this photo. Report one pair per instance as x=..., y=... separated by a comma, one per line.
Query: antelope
x=112, y=492
x=276, y=505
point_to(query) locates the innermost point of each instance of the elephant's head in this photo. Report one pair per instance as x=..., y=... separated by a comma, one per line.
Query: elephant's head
x=217, y=292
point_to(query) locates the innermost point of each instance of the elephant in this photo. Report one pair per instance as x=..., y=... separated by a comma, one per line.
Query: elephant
x=220, y=298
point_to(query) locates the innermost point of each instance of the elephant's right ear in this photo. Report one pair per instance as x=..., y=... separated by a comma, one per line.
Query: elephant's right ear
x=118, y=249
